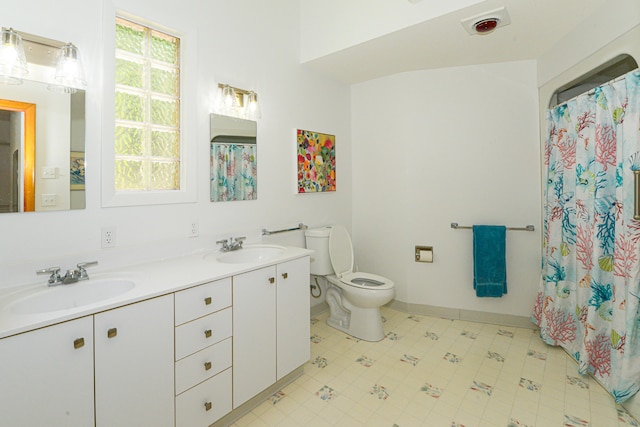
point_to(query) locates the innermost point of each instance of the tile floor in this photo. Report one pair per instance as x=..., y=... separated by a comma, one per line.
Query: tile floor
x=439, y=373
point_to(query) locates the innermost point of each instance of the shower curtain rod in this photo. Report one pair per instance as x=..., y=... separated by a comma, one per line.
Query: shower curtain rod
x=529, y=227
x=592, y=91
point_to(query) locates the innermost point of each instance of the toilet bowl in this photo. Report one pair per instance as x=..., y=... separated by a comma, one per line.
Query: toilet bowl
x=354, y=298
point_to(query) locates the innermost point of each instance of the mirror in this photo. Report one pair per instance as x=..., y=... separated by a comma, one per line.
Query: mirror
x=234, y=161
x=42, y=144
x=41, y=148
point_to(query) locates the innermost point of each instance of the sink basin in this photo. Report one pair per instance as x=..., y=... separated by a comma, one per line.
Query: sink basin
x=250, y=253
x=65, y=297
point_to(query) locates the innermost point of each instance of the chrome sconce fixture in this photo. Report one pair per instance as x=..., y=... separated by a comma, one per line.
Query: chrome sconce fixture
x=236, y=102
x=13, y=63
x=18, y=49
x=69, y=69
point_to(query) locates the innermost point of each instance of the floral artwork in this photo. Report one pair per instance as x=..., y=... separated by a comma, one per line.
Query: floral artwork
x=77, y=170
x=316, y=162
x=234, y=172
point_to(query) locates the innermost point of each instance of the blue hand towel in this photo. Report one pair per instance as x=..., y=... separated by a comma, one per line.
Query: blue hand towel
x=489, y=260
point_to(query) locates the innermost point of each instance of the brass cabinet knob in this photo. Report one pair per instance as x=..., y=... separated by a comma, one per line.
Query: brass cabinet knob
x=208, y=406
x=111, y=333
x=207, y=333
x=78, y=343
x=272, y=280
x=207, y=366
x=285, y=275
x=207, y=301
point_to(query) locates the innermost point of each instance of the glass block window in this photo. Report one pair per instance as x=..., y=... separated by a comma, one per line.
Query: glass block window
x=147, y=109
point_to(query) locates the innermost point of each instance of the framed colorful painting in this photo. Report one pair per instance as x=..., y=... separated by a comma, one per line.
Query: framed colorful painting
x=316, y=162
x=77, y=170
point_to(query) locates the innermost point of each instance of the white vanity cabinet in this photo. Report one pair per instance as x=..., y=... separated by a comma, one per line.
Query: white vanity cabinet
x=134, y=364
x=46, y=376
x=270, y=326
x=203, y=327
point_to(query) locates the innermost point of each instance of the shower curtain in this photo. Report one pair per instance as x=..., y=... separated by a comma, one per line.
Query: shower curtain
x=234, y=173
x=588, y=301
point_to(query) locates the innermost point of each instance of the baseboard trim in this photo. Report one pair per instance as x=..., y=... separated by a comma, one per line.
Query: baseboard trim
x=255, y=401
x=319, y=308
x=461, y=314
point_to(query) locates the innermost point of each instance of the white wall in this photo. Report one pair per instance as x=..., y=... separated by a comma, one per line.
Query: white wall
x=329, y=26
x=251, y=44
x=441, y=146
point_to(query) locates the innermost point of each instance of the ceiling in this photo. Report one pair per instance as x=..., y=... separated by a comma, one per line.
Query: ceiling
x=536, y=26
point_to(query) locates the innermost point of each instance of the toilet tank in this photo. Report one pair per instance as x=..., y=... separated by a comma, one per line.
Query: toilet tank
x=318, y=241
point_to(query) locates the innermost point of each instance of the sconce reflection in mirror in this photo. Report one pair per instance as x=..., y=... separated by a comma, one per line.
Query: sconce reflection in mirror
x=236, y=102
x=42, y=132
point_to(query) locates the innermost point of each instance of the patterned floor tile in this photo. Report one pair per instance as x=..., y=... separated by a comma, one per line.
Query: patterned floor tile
x=431, y=371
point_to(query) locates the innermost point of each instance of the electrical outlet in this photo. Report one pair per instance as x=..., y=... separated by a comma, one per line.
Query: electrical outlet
x=194, y=229
x=108, y=237
x=48, y=200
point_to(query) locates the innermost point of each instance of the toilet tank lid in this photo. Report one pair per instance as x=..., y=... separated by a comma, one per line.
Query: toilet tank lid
x=318, y=232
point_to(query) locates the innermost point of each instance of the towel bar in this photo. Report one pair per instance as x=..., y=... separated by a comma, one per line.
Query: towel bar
x=300, y=226
x=529, y=227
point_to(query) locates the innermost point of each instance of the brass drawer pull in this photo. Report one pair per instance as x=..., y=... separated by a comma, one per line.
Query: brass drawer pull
x=285, y=275
x=207, y=366
x=78, y=343
x=208, y=406
x=272, y=280
x=207, y=301
x=207, y=333
x=111, y=333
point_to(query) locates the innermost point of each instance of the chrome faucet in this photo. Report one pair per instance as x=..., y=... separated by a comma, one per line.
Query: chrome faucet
x=71, y=276
x=231, y=244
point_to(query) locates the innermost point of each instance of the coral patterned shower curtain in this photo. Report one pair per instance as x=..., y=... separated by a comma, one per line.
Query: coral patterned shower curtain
x=234, y=174
x=589, y=293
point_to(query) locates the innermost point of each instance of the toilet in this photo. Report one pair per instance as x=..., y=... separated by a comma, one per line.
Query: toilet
x=354, y=298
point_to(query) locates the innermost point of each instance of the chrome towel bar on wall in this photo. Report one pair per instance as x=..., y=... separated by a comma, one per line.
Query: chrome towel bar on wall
x=529, y=227
x=300, y=226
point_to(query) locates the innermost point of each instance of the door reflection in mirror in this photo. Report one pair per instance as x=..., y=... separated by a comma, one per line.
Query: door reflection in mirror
x=40, y=131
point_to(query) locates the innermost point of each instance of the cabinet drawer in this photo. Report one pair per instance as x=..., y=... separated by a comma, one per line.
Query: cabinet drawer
x=202, y=300
x=205, y=403
x=202, y=365
x=202, y=332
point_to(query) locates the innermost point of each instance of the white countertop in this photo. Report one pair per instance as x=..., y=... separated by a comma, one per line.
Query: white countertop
x=151, y=279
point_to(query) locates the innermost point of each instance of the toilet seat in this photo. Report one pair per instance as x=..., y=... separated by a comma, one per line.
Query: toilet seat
x=366, y=281
x=341, y=255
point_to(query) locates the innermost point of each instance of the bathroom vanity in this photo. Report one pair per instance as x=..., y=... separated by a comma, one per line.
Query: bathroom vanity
x=176, y=349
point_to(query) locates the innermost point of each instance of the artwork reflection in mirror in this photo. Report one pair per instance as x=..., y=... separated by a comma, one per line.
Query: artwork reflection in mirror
x=234, y=164
x=41, y=148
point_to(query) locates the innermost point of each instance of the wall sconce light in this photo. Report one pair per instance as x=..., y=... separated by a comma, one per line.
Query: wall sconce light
x=69, y=70
x=236, y=102
x=64, y=59
x=13, y=64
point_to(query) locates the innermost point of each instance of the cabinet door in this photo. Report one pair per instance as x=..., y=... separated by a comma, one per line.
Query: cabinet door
x=293, y=317
x=134, y=365
x=46, y=376
x=254, y=333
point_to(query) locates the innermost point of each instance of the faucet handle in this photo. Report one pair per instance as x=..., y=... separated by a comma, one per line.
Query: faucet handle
x=224, y=243
x=55, y=274
x=82, y=269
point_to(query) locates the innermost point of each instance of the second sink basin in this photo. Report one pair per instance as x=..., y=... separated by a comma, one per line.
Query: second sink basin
x=65, y=297
x=249, y=254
